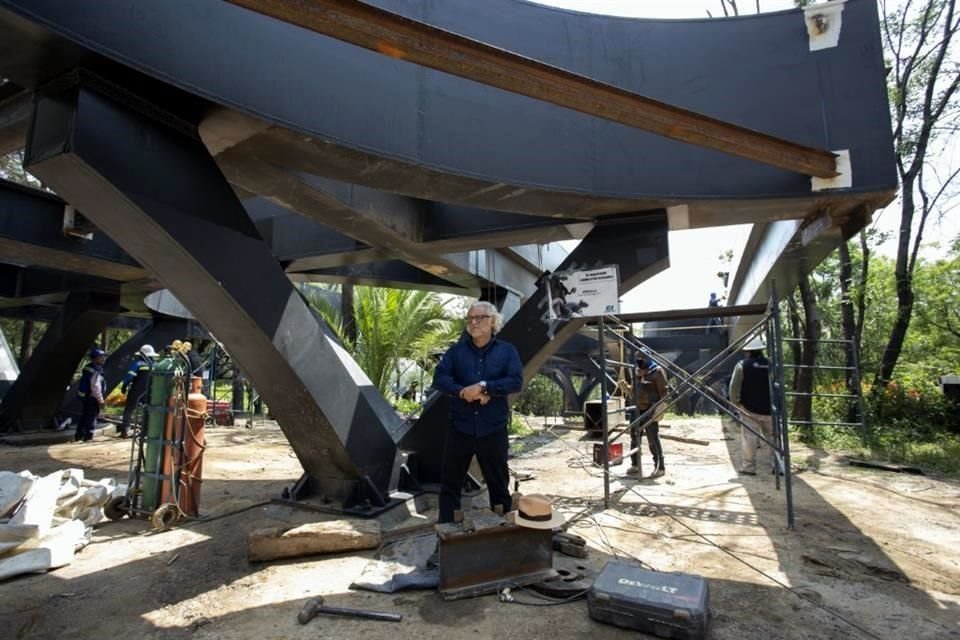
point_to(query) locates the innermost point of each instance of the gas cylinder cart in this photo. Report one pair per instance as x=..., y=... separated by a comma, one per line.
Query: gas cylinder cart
x=166, y=456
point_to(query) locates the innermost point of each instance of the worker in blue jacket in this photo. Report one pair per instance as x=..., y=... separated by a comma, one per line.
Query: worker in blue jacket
x=91, y=391
x=134, y=385
x=478, y=373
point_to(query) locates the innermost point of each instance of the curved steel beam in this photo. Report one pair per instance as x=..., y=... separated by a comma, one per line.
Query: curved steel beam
x=399, y=37
x=342, y=112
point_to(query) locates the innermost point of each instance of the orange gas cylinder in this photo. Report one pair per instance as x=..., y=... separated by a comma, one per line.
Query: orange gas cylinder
x=169, y=458
x=191, y=475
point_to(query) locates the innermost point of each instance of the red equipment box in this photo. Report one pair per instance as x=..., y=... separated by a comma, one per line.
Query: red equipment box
x=220, y=412
x=615, y=454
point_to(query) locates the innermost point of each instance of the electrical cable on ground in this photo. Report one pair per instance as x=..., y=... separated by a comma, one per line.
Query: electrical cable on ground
x=710, y=542
x=228, y=514
x=505, y=595
x=756, y=569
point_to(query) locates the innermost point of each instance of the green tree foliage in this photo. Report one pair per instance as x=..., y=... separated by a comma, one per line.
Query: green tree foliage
x=921, y=45
x=392, y=325
x=13, y=332
x=934, y=343
x=541, y=397
x=911, y=407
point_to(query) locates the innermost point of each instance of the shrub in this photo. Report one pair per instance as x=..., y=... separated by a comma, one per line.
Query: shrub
x=518, y=425
x=542, y=397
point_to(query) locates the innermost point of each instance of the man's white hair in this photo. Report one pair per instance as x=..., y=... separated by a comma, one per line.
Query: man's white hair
x=490, y=309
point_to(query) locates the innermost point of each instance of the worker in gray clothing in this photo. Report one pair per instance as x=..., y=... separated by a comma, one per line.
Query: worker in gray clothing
x=750, y=392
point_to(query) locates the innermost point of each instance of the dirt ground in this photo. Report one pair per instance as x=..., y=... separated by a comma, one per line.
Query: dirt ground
x=873, y=554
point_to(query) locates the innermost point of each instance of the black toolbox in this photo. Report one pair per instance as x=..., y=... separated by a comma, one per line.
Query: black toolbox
x=668, y=605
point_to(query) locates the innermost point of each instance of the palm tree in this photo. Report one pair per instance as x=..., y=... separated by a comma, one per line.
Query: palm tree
x=391, y=325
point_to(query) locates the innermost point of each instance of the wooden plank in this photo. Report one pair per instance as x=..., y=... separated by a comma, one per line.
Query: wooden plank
x=404, y=39
x=272, y=543
x=702, y=443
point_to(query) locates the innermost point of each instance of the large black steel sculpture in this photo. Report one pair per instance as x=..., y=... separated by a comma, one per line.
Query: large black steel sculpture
x=227, y=153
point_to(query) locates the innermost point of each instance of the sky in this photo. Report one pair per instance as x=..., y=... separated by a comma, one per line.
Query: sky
x=664, y=8
x=695, y=254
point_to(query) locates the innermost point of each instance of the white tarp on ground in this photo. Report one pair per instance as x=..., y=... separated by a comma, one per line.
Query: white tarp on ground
x=44, y=520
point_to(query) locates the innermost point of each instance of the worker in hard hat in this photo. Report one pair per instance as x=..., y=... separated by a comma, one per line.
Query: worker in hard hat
x=134, y=385
x=750, y=392
x=91, y=391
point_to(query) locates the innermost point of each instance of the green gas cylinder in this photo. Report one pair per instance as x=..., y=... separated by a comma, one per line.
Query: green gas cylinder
x=161, y=386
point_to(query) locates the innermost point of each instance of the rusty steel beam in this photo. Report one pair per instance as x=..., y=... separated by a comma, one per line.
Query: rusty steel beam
x=489, y=557
x=405, y=39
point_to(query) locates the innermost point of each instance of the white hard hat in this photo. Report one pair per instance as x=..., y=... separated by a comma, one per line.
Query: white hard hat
x=148, y=351
x=755, y=345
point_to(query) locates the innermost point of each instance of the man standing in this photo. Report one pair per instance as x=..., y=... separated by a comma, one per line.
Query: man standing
x=91, y=390
x=478, y=373
x=134, y=385
x=715, y=324
x=650, y=388
x=750, y=392
x=197, y=367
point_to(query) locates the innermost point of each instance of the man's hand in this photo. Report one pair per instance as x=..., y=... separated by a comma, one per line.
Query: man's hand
x=472, y=393
x=484, y=399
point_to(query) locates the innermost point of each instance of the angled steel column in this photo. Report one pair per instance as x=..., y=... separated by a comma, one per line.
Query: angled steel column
x=36, y=396
x=571, y=402
x=638, y=244
x=148, y=181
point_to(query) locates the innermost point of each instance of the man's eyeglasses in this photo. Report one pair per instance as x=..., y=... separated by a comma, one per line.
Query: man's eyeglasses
x=476, y=319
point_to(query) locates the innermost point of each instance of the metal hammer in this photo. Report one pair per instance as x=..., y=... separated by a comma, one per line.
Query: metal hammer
x=315, y=606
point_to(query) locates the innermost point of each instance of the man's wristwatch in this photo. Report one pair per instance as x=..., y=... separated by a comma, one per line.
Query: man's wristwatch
x=483, y=387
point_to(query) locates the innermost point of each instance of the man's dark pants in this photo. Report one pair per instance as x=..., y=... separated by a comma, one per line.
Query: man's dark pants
x=491, y=452
x=653, y=439
x=88, y=419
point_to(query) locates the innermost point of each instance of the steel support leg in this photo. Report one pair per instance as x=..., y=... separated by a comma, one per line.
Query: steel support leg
x=148, y=182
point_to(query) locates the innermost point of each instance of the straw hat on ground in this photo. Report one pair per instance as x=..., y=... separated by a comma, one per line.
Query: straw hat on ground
x=535, y=512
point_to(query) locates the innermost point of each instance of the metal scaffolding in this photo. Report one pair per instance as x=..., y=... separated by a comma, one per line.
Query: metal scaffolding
x=852, y=373
x=697, y=382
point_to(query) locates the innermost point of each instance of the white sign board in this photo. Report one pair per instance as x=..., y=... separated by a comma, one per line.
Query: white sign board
x=584, y=293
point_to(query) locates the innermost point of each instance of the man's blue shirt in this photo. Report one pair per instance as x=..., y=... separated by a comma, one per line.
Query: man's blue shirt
x=498, y=363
